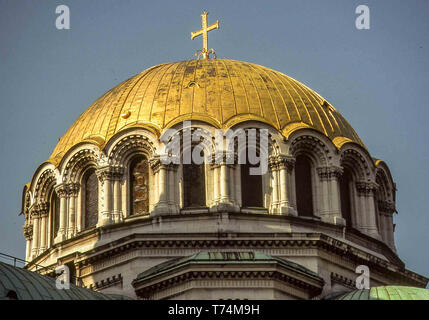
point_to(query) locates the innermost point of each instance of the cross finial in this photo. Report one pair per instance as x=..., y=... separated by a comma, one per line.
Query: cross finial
x=204, y=32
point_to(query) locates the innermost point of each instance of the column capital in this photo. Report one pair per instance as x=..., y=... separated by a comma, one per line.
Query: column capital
x=61, y=190
x=105, y=173
x=117, y=172
x=41, y=209
x=224, y=157
x=155, y=163
x=329, y=173
x=386, y=207
x=28, y=231
x=72, y=189
x=366, y=188
x=277, y=162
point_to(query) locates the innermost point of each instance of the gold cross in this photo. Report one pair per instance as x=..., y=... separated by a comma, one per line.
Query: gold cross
x=204, y=31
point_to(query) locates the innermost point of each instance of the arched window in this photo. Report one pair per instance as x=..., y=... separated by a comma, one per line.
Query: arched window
x=90, y=181
x=251, y=187
x=139, y=185
x=55, y=214
x=303, y=186
x=194, y=184
x=346, y=181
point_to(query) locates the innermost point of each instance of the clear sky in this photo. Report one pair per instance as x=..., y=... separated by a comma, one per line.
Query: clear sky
x=377, y=78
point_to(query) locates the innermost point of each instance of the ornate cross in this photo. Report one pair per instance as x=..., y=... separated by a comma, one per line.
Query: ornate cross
x=204, y=31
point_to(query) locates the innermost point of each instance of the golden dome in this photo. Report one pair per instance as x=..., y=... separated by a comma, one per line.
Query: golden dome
x=218, y=91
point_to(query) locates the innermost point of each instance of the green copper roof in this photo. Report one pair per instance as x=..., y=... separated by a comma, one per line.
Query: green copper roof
x=386, y=293
x=235, y=258
x=28, y=285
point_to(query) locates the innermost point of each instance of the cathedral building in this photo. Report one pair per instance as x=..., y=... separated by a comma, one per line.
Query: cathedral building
x=124, y=221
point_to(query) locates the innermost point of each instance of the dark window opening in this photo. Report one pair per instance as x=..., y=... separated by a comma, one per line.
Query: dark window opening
x=55, y=214
x=194, y=186
x=251, y=187
x=72, y=273
x=11, y=295
x=303, y=185
x=91, y=199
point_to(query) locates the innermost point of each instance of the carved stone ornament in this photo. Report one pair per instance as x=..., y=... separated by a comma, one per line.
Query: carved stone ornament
x=366, y=188
x=329, y=173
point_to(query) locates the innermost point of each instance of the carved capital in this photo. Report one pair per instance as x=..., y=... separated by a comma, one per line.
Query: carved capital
x=61, y=190
x=279, y=162
x=386, y=207
x=105, y=173
x=365, y=188
x=28, y=231
x=224, y=157
x=41, y=209
x=155, y=164
x=329, y=173
x=117, y=172
x=72, y=189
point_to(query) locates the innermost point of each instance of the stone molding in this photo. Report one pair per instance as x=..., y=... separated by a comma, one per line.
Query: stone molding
x=344, y=281
x=106, y=283
x=191, y=275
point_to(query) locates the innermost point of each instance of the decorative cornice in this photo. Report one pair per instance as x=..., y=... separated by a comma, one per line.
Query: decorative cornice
x=349, y=283
x=192, y=275
x=106, y=283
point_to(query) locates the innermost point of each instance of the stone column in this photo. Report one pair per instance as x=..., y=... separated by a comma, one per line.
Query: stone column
x=273, y=165
x=72, y=193
x=329, y=203
x=173, y=202
x=43, y=211
x=61, y=191
x=222, y=177
x=366, y=192
x=161, y=178
x=28, y=234
x=216, y=183
x=118, y=173
x=286, y=165
x=36, y=233
x=237, y=185
x=105, y=176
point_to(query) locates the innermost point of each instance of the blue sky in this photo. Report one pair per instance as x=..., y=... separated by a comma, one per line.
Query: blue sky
x=377, y=78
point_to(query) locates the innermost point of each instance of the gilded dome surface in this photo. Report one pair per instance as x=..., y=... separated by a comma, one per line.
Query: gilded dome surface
x=218, y=91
